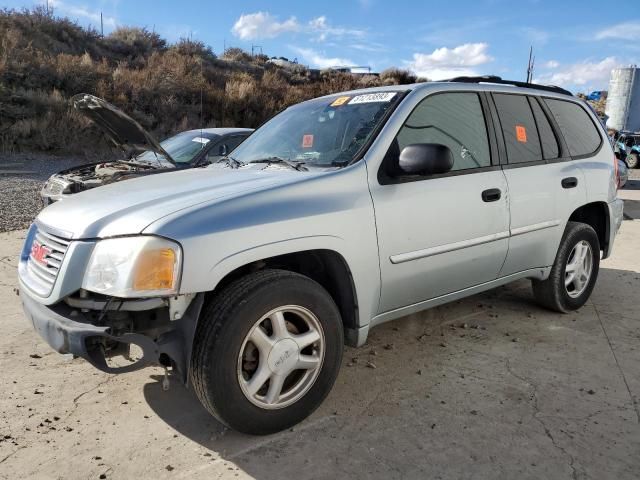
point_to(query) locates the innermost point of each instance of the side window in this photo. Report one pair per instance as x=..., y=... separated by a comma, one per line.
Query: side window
x=518, y=127
x=577, y=128
x=455, y=120
x=548, y=139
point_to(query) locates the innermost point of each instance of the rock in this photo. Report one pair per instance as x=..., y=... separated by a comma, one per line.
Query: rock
x=442, y=344
x=35, y=355
x=591, y=391
x=371, y=365
x=473, y=412
x=388, y=346
x=103, y=476
x=169, y=468
x=419, y=372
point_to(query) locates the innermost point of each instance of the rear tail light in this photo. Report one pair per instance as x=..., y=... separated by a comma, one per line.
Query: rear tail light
x=615, y=170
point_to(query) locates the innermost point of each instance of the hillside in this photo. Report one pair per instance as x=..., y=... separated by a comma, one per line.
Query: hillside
x=44, y=60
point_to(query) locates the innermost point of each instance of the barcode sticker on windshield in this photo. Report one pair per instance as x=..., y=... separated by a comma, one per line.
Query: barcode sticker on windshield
x=200, y=140
x=373, y=97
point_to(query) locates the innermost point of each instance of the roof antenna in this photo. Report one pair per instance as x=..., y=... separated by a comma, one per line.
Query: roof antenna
x=530, y=65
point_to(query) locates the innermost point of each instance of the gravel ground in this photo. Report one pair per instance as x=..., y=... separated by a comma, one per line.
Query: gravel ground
x=21, y=178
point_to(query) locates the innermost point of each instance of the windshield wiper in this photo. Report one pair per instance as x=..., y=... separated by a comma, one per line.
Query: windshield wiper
x=275, y=160
x=230, y=161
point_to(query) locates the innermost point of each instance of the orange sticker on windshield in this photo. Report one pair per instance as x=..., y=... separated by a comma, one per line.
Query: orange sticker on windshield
x=521, y=134
x=307, y=141
x=339, y=101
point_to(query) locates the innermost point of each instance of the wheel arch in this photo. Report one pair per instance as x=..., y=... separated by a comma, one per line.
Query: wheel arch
x=596, y=215
x=328, y=267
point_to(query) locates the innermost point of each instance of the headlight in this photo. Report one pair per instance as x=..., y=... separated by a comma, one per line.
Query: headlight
x=142, y=266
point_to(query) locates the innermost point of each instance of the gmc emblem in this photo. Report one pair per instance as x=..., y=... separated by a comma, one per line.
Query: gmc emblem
x=39, y=252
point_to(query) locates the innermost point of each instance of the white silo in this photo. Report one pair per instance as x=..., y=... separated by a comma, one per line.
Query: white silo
x=623, y=99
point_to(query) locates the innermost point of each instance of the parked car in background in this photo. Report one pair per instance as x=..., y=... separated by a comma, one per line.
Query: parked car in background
x=247, y=277
x=144, y=155
x=630, y=143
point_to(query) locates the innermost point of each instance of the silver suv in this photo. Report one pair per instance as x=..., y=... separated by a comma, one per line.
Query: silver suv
x=343, y=212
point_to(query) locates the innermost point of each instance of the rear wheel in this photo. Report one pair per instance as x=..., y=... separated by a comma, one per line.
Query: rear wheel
x=267, y=351
x=632, y=160
x=574, y=272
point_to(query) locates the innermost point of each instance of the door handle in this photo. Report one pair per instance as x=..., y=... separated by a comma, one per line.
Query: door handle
x=491, y=195
x=569, y=182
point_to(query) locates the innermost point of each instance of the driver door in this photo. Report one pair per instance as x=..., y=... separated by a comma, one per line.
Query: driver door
x=441, y=233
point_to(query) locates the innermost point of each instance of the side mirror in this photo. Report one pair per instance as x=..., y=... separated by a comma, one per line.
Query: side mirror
x=223, y=150
x=425, y=159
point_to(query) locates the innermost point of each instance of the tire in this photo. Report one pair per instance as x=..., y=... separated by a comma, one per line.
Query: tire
x=632, y=160
x=220, y=368
x=552, y=293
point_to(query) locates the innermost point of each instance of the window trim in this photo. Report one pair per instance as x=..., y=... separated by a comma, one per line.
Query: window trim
x=384, y=179
x=532, y=100
x=506, y=164
x=589, y=115
x=564, y=149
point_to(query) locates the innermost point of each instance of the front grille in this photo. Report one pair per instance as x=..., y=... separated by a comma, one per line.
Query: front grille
x=45, y=259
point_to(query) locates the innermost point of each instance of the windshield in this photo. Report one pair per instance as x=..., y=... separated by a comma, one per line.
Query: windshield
x=182, y=147
x=323, y=132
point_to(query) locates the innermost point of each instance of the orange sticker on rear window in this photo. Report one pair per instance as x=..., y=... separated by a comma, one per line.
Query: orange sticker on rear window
x=339, y=101
x=307, y=141
x=521, y=134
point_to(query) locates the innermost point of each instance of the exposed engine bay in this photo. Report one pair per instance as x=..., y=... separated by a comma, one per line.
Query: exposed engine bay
x=94, y=175
x=78, y=179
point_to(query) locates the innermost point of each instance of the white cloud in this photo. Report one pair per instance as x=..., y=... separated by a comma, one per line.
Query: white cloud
x=535, y=35
x=324, y=29
x=317, y=59
x=620, y=31
x=450, y=62
x=586, y=74
x=551, y=64
x=262, y=25
x=83, y=12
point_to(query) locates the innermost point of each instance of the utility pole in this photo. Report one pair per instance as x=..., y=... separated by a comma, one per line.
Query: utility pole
x=530, y=65
x=101, y=26
x=255, y=47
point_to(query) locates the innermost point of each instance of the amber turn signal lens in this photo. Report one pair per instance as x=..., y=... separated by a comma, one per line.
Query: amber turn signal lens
x=155, y=270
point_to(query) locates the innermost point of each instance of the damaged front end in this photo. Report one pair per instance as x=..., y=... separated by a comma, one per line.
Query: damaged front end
x=120, y=335
x=114, y=302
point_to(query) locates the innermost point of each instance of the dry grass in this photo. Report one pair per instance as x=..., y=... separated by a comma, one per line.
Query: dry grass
x=44, y=60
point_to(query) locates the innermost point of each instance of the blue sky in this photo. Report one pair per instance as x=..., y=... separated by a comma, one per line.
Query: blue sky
x=576, y=43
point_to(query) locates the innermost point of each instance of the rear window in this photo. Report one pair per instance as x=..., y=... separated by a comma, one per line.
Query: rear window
x=519, y=128
x=577, y=128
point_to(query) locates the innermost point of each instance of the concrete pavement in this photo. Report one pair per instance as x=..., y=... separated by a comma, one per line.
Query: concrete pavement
x=488, y=387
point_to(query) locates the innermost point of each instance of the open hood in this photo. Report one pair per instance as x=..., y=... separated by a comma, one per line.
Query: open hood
x=121, y=129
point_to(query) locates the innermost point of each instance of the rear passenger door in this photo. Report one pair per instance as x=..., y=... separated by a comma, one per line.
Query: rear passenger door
x=545, y=184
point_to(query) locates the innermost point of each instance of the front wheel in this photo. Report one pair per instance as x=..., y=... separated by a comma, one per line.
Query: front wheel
x=632, y=160
x=574, y=272
x=267, y=351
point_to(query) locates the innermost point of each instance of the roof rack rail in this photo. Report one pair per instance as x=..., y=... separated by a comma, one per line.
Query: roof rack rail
x=515, y=83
